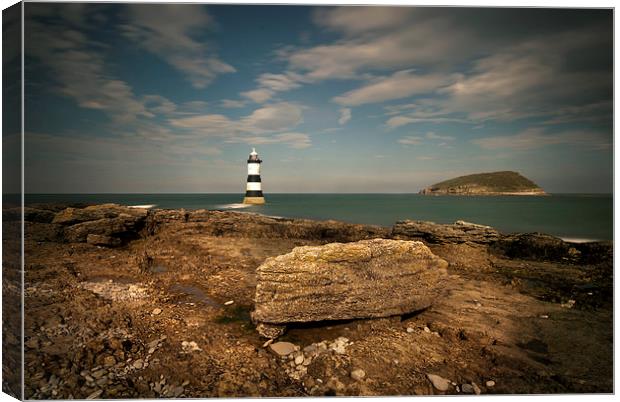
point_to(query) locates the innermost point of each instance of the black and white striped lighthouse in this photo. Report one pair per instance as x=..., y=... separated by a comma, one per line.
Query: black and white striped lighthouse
x=253, y=191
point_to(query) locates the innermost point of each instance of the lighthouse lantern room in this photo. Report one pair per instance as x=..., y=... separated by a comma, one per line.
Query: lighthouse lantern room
x=253, y=190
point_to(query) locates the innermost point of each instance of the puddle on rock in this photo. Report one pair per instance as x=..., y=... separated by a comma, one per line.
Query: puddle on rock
x=194, y=294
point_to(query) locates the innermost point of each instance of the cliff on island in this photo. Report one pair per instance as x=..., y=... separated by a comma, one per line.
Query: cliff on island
x=495, y=183
x=132, y=303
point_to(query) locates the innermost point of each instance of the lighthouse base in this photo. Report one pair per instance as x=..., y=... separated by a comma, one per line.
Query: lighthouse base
x=254, y=200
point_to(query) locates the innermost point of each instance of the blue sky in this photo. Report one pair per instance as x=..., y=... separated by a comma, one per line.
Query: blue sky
x=171, y=98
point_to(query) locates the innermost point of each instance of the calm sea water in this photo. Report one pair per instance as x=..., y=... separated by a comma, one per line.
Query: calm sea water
x=572, y=216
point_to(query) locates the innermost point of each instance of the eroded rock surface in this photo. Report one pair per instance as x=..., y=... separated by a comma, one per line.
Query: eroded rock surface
x=366, y=279
x=107, y=224
x=459, y=232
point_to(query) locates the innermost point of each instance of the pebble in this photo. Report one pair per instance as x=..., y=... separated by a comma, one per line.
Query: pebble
x=544, y=316
x=102, y=381
x=310, y=348
x=151, y=351
x=299, y=360
x=477, y=390
x=427, y=329
x=282, y=348
x=229, y=302
x=490, y=384
x=410, y=330
x=467, y=389
x=95, y=394
x=138, y=364
x=438, y=382
x=109, y=361
x=269, y=342
x=98, y=373
x=153, y=344
x=358, y=374
x=177, y=391
x=156, y=311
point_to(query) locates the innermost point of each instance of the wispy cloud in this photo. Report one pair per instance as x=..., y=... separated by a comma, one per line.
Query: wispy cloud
x=345, y=116
x=229, y=103
x=534, y=138
x=165, y=30
x=410, y=140
x=401, y=84
x=258, y=95
x=293, y=140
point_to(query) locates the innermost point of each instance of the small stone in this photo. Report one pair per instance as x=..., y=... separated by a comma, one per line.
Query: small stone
x=309, y=382
x=138, y=364
x=153, y=344
x=358, y=374
x=177, y=391
x=410, y=330
x=299, y=360
x=185, y=383
x=282, y=348
x=269, y=342
x=102, y=381
x=109, y=361
x=310, y=348
x=438, y=382
x=99, y=373
x=156, y=311
x=490, y=384
x=476, y=388
x=544, y=316
x=229, y=302
x=427, y=329
x=151, y=351
x=467, y=389
x=95, y=394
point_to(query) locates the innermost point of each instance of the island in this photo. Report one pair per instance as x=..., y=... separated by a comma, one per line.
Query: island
x=494, y=183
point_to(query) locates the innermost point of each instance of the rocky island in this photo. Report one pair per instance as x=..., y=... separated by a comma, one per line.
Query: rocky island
x=495, y=183
x=125, y=303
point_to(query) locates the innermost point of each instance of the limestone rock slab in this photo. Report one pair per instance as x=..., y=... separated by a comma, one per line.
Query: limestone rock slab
x=338, y=281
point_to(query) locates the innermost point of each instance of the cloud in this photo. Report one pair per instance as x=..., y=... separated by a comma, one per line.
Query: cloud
x=358, y=20
x=268, y=119
x=398, y=121
x=534, y=138
x=397, y=38
x=229, y=103
x=279, y=82
x=399, y=85
x=345, y=115
x=293, y=140
x=410, y=140
x=432, y=136
x=79, y=70
x=269, y=84
x=164, y=30
x=275, y=117
x=258, y=95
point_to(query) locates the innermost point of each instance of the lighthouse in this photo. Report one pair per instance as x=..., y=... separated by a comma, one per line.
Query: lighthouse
x=253, y=191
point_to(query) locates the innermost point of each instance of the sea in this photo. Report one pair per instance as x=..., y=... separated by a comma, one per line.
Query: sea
x=573, y=217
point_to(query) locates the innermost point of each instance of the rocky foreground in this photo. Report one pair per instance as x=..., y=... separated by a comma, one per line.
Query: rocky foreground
x=125, y=303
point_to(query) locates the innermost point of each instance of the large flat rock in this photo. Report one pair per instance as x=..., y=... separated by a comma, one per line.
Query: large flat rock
x=365, y=279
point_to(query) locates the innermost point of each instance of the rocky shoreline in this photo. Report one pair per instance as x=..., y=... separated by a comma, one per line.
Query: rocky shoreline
x=125, y=302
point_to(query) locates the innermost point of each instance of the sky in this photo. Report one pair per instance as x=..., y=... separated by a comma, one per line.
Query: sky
x=171, y=98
